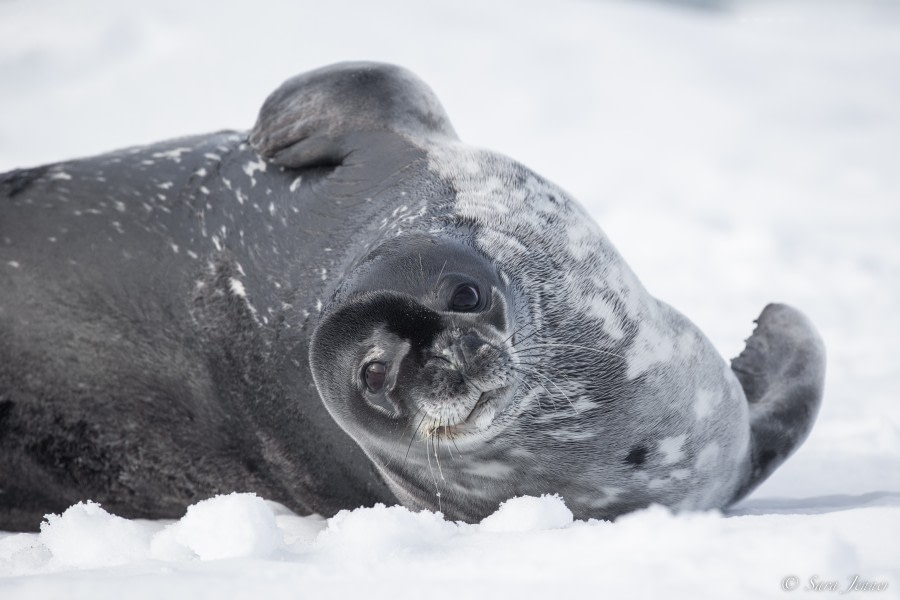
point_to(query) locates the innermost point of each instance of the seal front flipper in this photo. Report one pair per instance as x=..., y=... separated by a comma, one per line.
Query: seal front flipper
x=782, y=371
x=328, y=116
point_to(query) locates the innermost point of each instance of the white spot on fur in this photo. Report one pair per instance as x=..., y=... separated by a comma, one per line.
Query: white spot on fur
x=582, y=235
x=174, y=248
x=14, y=264
x=164, y=185
x=686, y=343
x=217, y=243
x=120, y=206
x=491, y=469
x=680, y=474
x=671, y=449
x=60, y=175
x=572, y=435
x=192, y=254
x=174, y=154
x=252, y=167
x=703, y=403
x=520, y=452
x=650, y=347
x=237, y=288
x=605, y=312
x=609, y=494
x=295, y=184
x=708, y=457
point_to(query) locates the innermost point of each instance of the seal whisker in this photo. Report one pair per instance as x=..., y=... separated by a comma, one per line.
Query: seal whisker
x=435, y=441
x=500, y=348
x=449, y=433
x=529, y=386
x=509, y=337
x=437, y=279
x=553, y=383
x=435, y=445
x=556, y=345
x=538, y=360
x=415, y=433
x=453, y=440
x=422, y=267
x=520, y=340
x=550, y=394
x=541, y=386
x=437, y=488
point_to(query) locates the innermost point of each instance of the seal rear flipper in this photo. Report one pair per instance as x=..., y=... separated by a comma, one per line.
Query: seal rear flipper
x=324, y=116
x=782, y=371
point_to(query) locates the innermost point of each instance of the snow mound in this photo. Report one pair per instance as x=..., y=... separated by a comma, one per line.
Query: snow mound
x=384, y=530
x=87, y=536
x=231, y=526
x=527, y=513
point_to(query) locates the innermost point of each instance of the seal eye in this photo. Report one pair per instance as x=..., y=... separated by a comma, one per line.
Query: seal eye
x=374, y=374
x=465, y=298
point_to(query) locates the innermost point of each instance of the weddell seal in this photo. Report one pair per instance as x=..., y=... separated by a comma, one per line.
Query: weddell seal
x=350, y=306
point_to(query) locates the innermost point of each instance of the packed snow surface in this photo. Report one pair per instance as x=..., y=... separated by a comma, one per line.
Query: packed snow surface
x=738, y=155
x=241, y=545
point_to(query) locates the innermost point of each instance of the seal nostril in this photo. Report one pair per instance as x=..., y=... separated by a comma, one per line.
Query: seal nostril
x=374, y=375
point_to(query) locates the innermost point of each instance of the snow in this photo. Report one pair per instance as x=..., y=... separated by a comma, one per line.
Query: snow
x=222, y=527
x=529, y=548
x=529, y=514
x=86, y=536
x=735, y=157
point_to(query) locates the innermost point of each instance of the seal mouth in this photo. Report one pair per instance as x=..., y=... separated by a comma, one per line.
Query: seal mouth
x=490, y=405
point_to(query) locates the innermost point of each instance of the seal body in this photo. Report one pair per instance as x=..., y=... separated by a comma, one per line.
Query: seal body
x=349, y=306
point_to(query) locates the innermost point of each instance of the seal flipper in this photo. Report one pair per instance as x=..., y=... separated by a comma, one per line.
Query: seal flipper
x=322, y=117
x=782, y=371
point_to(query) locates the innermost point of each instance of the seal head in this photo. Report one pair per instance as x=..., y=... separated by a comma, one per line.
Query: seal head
x=416, y=341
